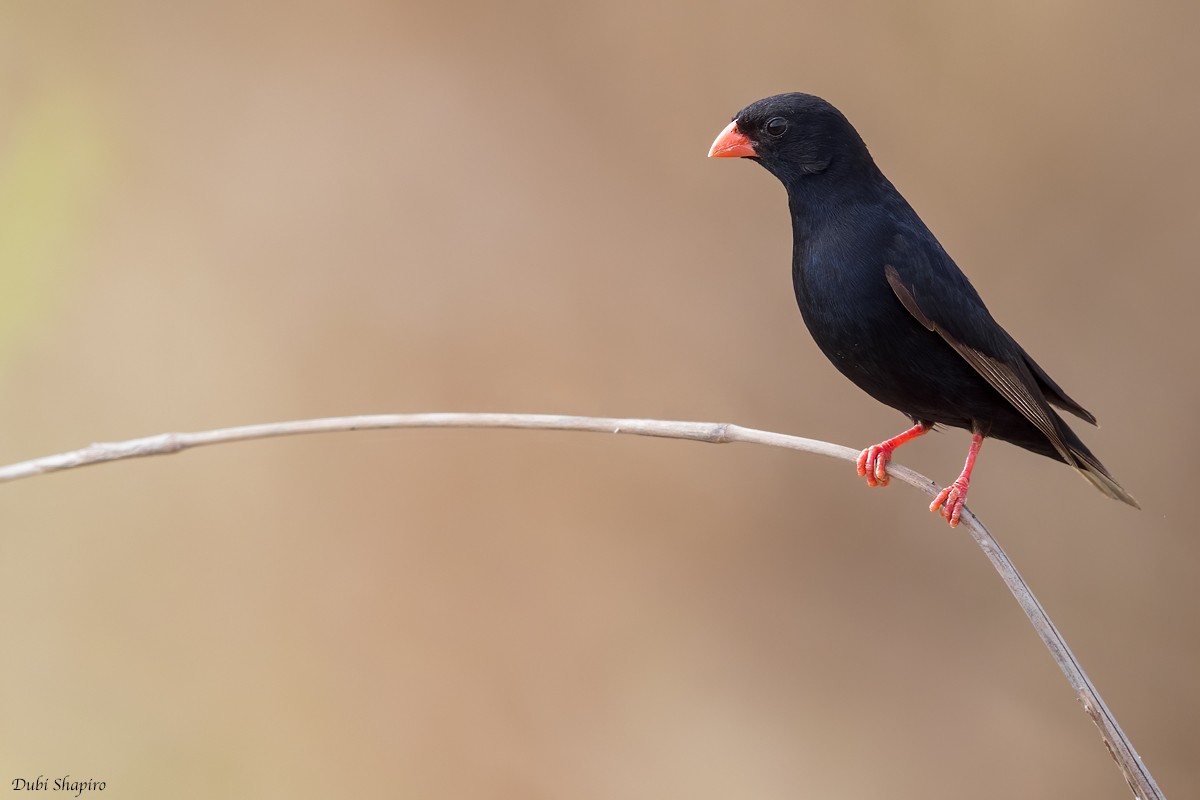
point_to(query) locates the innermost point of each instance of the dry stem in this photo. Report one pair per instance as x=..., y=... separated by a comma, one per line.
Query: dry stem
x=1136, y=774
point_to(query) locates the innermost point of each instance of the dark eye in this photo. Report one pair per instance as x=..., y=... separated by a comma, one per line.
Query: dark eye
x=775, y=126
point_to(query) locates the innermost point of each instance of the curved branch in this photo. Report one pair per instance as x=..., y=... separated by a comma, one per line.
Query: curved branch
x=1119, y=746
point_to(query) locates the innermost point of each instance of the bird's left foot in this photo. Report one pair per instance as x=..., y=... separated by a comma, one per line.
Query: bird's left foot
x=951, y=501
x=872, y=462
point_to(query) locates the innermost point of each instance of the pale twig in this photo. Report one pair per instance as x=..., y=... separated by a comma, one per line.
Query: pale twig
x=1119, y=746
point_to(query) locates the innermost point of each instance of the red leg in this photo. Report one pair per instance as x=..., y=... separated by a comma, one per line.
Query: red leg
x=954, y=496
x=872, y=462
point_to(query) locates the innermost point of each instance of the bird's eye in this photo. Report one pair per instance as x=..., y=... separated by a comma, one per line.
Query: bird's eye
x=775, y=126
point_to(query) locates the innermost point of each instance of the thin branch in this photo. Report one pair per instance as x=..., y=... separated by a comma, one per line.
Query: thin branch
x=1119, y=746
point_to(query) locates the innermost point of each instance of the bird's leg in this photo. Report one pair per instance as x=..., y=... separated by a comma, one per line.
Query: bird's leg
x=872, y=462
x=954, y=496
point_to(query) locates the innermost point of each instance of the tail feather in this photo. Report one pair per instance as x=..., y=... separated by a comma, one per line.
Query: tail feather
x=1090, y=467
x=1095, y=472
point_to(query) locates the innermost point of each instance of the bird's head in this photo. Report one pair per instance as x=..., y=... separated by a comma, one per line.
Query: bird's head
x=794, y=136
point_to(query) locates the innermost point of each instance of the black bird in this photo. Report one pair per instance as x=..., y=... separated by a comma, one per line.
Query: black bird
x=890, y=308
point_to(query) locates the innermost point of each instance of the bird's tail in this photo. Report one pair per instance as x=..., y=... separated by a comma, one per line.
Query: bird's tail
x=1090, y=467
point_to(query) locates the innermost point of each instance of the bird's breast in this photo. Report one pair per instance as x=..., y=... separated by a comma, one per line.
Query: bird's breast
x=845, y=301
x=862, y=328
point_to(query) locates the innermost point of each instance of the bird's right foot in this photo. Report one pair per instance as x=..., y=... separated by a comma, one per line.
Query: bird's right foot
x=950, y=501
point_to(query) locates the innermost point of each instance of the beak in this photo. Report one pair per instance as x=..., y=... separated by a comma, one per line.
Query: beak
x=731, y=143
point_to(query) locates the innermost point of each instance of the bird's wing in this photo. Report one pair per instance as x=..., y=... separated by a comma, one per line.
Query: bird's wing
x=948, y=299
x=1054, y=393
x=943, y=301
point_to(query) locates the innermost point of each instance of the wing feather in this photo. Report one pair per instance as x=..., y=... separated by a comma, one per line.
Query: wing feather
x=1013, y=381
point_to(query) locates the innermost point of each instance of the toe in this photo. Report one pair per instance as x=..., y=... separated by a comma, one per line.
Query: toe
x=870, y=465
x=955, y=501
x=881, y=474
x=937, y=501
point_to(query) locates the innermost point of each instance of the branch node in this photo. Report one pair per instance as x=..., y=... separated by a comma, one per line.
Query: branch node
x=720, y=434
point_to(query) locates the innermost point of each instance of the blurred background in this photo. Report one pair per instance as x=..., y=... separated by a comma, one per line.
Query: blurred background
x=220, y=214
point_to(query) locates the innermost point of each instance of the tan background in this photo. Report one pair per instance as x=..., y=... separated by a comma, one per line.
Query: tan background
x=213, y=216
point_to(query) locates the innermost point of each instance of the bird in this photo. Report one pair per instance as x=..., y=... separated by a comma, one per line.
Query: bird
x=888, y=306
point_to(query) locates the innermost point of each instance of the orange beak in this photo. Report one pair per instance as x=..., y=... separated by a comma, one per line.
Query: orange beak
x=731, y=143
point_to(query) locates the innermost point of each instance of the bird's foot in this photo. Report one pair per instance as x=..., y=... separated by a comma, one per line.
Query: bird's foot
x=872, y=463
x=951, y=501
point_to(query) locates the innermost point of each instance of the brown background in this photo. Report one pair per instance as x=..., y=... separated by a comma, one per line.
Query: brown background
x=221, y=215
